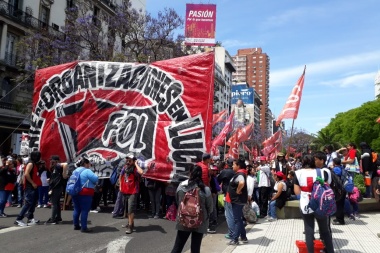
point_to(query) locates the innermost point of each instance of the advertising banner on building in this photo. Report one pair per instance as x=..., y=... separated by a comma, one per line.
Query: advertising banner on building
x=161, y=112
x=200, y=24
x=243, y=93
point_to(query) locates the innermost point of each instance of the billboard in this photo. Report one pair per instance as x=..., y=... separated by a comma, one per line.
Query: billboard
x=200, y=24
x=243, y=93
x=105, y=110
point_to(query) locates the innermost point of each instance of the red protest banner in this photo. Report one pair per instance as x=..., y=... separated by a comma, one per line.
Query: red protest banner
x=161, y=112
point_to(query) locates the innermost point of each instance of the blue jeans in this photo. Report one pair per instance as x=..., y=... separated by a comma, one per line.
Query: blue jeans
x=229, y=217
x=82, y=205
x=238, y=228
x=272, y=209
x=43, y=195
x=20, y=194
x=3, y=199
x=118, y=209
x=368, y=189
x=31, y=196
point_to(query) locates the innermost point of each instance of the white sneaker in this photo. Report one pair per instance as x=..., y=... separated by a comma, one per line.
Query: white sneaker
x=39, y=206
x=46, y=206
x=20, y=223
x=272, y=219
x=94, y=211
x=267, y=218
x=33, y=222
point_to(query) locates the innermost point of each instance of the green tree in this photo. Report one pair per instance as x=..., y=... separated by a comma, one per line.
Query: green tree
x=323, y=138
x=356, y=125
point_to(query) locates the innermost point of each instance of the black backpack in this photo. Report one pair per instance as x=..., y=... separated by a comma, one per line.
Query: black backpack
x=337, y=186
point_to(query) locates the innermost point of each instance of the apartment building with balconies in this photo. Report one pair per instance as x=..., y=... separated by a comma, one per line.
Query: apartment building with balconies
x=253, y=67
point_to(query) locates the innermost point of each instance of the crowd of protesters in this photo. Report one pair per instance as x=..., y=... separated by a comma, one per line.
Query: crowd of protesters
x=230, y=184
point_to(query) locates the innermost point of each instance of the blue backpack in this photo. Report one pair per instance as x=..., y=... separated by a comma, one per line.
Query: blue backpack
x=322, y=200
x=114, y=176
x=347, y=182
x=74, y=185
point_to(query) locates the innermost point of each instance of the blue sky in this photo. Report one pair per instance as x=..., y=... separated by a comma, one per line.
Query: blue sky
x=338, y=41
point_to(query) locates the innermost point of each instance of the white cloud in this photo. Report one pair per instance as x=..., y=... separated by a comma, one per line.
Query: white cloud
x=359, y=80
x=320, y=70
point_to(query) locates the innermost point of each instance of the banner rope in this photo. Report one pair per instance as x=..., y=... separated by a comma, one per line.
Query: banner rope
x=16, y=86
x=14, y=130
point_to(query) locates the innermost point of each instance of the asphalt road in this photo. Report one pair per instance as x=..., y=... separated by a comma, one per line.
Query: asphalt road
x=108, y=236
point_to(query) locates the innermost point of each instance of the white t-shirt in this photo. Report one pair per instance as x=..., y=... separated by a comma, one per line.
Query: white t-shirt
x=306, y=178
x=264, y=173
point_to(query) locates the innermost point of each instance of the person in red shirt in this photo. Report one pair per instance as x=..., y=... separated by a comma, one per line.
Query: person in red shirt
x=205, y=165
x=31, y=183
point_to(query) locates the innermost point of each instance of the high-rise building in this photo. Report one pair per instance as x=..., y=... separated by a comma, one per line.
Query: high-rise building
x=252, y=67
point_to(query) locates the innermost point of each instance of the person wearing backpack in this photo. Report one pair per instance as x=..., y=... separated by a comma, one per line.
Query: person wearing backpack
x=82, y=201
x=31, y=183
x=205, y=202
x=303, y=185
x=339, y=171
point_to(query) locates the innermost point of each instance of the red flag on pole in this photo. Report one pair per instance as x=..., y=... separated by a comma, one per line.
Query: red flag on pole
x=273, y=139
x=218, y=141
x=246, y=148
x=234, y=147
x=254, y=152
x=218, y=117
x=243, y=134
x=290, y=110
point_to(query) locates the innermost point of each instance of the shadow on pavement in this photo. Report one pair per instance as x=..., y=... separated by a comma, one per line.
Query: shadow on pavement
x=103, y=229
x=150, y=227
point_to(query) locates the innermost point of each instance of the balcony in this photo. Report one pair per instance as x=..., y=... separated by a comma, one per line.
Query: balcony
x=10, y=59
x=6, y=105
x=27, y=20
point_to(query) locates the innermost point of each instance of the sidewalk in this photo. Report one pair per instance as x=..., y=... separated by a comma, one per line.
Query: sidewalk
x=359, y=236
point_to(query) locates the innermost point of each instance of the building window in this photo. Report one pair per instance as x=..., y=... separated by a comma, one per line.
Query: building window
x=95, y=18
x=44, y=16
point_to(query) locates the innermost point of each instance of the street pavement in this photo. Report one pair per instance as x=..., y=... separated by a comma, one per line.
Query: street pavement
x=359, y=236
x=158, y=235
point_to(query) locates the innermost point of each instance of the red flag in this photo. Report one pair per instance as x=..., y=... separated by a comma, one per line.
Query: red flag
x=234, y=147
x=273, y=139
x=246, y=148
x=254, y=152
x=218, y=117
x=291, y=150
x=378, y=120
x=245, y=132
x=290, y=110
x=218, y=141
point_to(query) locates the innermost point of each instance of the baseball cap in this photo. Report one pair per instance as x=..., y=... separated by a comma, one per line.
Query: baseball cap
x=280, y=174
x=280, y=154
x=214, y=168
x=206, y=156
x=263, y=158
x=130, y=156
